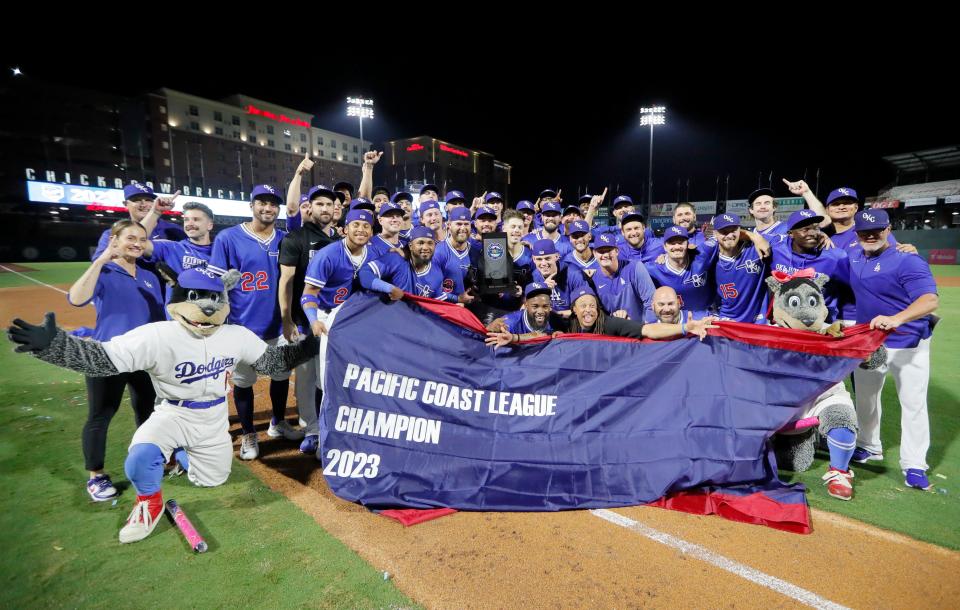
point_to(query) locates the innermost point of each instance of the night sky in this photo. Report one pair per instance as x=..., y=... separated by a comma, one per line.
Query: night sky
x=569, y=118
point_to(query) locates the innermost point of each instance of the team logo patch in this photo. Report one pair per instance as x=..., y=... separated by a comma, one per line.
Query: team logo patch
x=697, y=279
x=751, y=266
x=877, y=268
x=868, y=217
x=806, y=213
x=844, y=191
x=494, y=251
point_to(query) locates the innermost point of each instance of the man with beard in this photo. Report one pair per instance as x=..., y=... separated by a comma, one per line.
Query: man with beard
x=549, y=272
x=802, y=248
x=522, y=263
x=252, y=248
x=666, y=305
x=194, y=251
x=456, y=251
x=582, y=256
x=296, y=251
x=417, y=273
x=686, y=271
x=533, y=317
x=624, y=289
x=550, y=215
x=638, y=244
x=895, y=292
x=740, y=273
x=622, y=206
x=685, y=215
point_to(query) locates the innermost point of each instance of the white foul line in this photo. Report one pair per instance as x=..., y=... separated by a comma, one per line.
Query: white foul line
x=33, y=280
x=755, y=576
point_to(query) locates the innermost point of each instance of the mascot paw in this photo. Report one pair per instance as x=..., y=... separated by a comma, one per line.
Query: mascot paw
x=33, y=338
x=795, y=451
x=876, y=359
x=834, y=330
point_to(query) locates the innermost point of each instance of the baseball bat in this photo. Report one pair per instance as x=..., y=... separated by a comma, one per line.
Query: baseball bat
x=195, y=540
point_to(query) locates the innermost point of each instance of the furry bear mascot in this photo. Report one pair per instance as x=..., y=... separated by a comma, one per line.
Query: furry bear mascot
x=189, y=359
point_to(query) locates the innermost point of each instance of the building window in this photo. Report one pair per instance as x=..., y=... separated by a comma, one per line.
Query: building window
x=355, y=160
x=165, y=145
x=194, y=125
x=320, y=141
x=166, y=162
x=252, y=125
x=218, y=116
x=194, y=111
x=287, y=146
x=235, y=121
x=354, y=148
x=163, y=126
x=236, y=134
x=303, y=150
x=344, y=146
x=270, y=130
x=163, y=109
x=252, y=137
x=218, y=131
x=270, y=143
x=321, y=153
x=303, y=137
x=333, y=143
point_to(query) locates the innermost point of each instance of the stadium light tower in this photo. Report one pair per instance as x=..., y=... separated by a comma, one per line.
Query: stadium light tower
x=652, y=115
x=362, y=109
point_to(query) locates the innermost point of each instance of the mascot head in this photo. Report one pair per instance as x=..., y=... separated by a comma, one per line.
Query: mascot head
x=199, y=298
x=798, y=299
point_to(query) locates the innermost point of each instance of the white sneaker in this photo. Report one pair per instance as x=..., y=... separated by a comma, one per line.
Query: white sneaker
x=249, y=448
x=284, y=429
x=101, y=488
x=139, y=524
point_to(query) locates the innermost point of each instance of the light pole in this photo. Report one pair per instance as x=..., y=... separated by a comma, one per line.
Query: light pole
x=362, y=109
x=654, y=115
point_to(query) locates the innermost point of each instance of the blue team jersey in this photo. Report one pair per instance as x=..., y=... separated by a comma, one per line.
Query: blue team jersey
x=561, y=293
x=431, y=282
x=449, y=258
x=695, y=284
x=741, y=286
x=887, y=284
x=518, y=323
x=180, y=255
x=833, y=263
x=573, y=260
x=648, y=252
x=777, y=228
x=334, y=272
x=124, y=302
x=614, y=290
x=294, y=222
x=562, y=243
x=378, y=246
x=254, y=303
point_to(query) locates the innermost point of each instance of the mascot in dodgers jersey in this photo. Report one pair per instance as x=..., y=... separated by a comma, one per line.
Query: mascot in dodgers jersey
x=189, y=359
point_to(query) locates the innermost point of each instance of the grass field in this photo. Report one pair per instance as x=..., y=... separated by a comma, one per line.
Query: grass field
x=61, y=550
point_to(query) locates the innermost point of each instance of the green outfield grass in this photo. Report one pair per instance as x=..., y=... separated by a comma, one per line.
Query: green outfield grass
x=61, y=550
x=48, y=273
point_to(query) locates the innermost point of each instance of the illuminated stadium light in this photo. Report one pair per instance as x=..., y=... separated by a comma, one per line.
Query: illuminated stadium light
x=652, y=115
x=362, y=108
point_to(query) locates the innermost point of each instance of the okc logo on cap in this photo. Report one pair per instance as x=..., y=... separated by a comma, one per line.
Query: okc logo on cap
x=728, y=218
x=207, y=272
x=606, y=238
x=140, y=187
x=869, y=217
x=495, y=251
x=806, y=213
x=269, y=188
x=676, y=231
x=844, y=191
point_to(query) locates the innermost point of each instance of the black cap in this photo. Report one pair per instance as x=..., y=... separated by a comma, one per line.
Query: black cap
x=759, y=192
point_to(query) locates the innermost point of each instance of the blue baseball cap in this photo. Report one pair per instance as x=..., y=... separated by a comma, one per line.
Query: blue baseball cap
x=535, y=288
x=265, y=191
x=362, y=203
x=868, y=220
x=722, y=221
x=428, y=205
x=802, y=217
x=493, y=196
x=842, y=193
x=631, y=217
x=572, y=209
x=360, y=214
x=344, y=185
x=322, y=190
x=485, y=211
x=605, y=240
x=200, y=279
x=585, y=198
x=399, y=195
x=675, y=231
x=455, y=196
x=582, y=292
x=578, y=226
x=548, y=193
x=388, y=207
x=544, y=247
x=622, y=200
x=429, y=187
x=422, y=231
x=304, y=199
x=525, y=205
x=458, y=213
x=135, y=188
x=551, y=207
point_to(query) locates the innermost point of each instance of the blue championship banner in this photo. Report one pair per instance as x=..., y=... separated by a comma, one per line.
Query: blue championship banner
x=419, y=413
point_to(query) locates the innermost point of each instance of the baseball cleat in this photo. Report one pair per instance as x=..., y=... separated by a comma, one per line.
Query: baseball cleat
x=284, y=429
x=862, y=456
x=914, y=477
x=101, y=488
x=141, y=522
x=310, y=443
x=839, y=483
x=249, y=447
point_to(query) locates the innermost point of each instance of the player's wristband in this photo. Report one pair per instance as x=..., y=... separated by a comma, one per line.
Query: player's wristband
x=311, y=313
x=683, y=324
x=381, y=286
x=309, y=298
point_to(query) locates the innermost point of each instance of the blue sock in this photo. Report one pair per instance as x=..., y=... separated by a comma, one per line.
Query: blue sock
x=144, y=468
x=243, y=399
x=841, y=442
x=181, y=456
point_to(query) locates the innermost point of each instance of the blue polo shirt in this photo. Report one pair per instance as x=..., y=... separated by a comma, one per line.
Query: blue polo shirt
x=124, y=302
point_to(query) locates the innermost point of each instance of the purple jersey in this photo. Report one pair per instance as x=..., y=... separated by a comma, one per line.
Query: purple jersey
x=519, y=324
x=887, y=284
x=180, y=255
x=431, y=282
x=832, y=263
x=614, y=290
x=334, y=272
x=163, y=230
x=124, y=302
x=449, y=258
x=561, y=293
x=741, y=287
x=379, y=247
x=574, y=261
x=294, y=222
x=561, y=242
x=253, y=302
x=777, y=228
x=695, y=284
x=648, y=252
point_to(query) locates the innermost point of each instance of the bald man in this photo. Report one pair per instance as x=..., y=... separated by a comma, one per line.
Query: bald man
x=666, y=305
